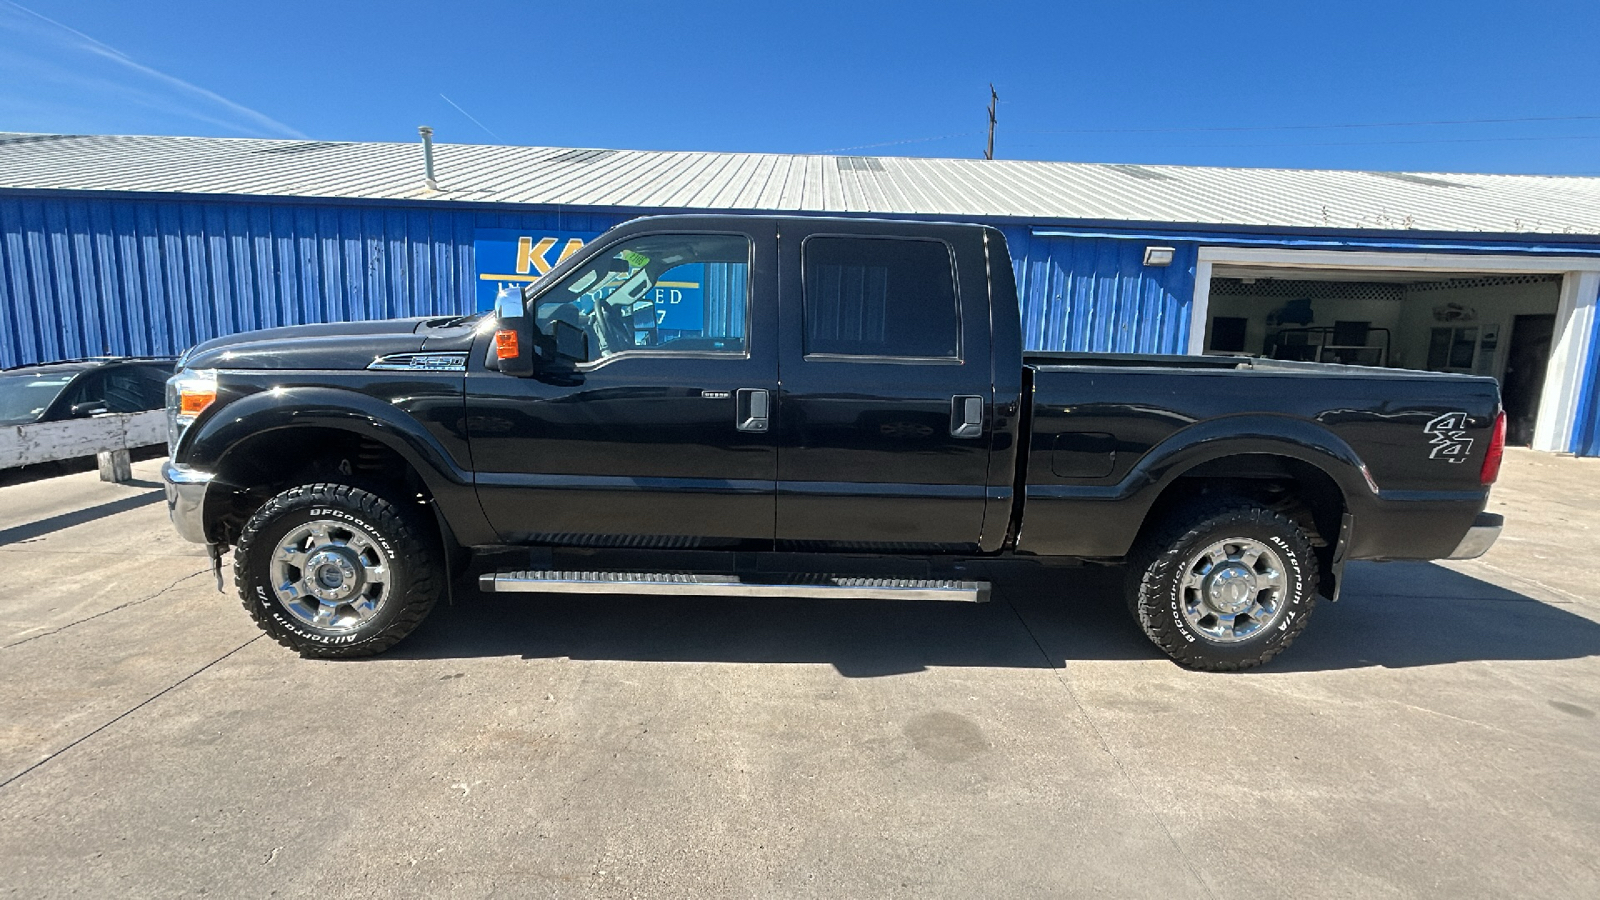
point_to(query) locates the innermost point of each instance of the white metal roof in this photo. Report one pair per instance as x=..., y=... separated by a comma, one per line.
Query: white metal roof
x=665, y=180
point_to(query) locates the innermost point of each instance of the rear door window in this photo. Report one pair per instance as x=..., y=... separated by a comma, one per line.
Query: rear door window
x=880, y=297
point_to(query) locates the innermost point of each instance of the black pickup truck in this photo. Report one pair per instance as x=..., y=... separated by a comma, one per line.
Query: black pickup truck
x=802, y=406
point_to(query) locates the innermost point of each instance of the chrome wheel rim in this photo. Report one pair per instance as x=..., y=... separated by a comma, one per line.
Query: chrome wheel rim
x=330, y=575
x=1233, y=590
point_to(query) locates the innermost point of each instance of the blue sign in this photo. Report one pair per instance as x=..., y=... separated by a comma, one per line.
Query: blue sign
x=680, y=298
x=507, y=257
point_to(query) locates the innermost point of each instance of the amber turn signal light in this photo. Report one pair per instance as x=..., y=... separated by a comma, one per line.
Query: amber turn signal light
x=505, y=344
x=193, y=403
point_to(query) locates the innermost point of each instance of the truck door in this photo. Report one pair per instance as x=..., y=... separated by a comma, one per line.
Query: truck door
x=659, y=435
x=884, y=404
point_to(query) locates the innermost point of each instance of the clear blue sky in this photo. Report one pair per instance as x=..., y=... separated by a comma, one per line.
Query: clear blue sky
x=1203, y=83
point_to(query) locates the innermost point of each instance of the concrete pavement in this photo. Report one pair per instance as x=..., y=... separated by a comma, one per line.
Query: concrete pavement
x=1434, y=734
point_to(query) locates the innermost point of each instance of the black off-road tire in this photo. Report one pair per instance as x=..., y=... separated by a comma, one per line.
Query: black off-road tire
x=1155, y=592
x=409, y=541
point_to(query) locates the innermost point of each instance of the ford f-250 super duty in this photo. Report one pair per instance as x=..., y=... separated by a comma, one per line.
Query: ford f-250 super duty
x=696, y=404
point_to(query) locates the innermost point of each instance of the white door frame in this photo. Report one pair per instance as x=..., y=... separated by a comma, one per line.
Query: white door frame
x=1575, y=314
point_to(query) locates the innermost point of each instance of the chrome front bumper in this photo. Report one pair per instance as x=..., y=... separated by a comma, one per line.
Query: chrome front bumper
x=1480, y=537
x=186, y=495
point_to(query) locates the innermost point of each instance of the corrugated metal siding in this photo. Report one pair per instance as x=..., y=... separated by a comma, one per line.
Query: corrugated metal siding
x=1097, y=295
x=1586, y=419
x=726, y=288
x=83, y=277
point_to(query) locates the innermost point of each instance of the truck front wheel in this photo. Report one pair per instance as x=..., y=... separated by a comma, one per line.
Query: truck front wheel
x=1223, y=585
x=333, y=570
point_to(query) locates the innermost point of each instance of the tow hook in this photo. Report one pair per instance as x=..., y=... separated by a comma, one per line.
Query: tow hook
x=216, y=551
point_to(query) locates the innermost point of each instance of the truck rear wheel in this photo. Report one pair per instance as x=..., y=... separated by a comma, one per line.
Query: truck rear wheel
x=333, y=570
x=1223, y=585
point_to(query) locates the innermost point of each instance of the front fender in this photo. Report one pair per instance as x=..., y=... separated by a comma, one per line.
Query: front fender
x=220, y=434
x=317, y=407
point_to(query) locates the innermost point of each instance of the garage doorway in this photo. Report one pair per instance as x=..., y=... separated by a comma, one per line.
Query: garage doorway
x=1527, y=361
x=1522, y=321
x=1496, y=325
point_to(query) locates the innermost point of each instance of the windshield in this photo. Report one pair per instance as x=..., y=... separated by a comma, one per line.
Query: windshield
x=23, y=398
x=664, y=291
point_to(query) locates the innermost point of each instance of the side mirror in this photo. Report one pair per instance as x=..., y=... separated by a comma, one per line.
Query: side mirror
x=513, y=349
x=88, y=408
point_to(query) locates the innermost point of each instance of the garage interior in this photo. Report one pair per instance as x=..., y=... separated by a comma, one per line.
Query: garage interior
x=1483, y=324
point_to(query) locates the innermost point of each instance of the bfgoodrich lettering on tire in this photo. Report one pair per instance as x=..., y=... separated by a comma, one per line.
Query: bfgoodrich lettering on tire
x=333, y=570
x=1223, y=585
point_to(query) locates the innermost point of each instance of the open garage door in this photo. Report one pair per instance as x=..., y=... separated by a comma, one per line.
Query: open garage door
x=1496, y=325
x=1523, y=319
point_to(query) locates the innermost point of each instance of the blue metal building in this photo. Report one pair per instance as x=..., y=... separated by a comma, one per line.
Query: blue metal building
x=146, y=245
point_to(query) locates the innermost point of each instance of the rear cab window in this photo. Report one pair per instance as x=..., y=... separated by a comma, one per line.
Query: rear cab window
x=885, y=298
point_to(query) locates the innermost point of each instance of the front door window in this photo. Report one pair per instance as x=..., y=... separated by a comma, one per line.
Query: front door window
x=659, y=293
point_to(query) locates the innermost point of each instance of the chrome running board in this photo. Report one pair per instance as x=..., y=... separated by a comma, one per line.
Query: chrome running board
x=665, y=583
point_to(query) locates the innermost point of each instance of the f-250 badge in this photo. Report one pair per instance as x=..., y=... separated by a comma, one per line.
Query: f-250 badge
x=1449, y=433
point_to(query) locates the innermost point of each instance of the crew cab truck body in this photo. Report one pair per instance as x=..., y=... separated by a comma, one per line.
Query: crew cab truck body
x=843, y=396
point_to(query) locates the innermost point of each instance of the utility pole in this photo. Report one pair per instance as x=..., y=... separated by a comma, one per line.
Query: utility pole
x=994, y=99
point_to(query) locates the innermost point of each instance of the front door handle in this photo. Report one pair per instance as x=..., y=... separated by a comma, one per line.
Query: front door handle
x=966, y=416
x=751, y=409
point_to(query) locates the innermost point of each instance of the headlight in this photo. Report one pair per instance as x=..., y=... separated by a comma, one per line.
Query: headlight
x=188, y=395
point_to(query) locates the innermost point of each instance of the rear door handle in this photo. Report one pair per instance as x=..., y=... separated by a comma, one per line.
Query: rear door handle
x=751, y=409
x=966, y=416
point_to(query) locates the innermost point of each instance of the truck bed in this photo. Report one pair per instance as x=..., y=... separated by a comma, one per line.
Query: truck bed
x=1044, y=358
x=1039, y=359
x=1110, y=429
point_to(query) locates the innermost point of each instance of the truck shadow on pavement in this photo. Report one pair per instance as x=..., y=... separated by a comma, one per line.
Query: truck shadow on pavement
x=1396, y=615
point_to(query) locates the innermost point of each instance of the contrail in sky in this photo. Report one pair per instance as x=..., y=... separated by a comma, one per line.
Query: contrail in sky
x=472, y=117
x=106, y=51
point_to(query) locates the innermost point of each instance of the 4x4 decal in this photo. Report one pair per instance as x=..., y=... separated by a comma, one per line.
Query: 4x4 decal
x=1449, y=433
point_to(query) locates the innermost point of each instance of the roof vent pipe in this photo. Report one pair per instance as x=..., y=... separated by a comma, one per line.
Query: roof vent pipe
x=427, y=156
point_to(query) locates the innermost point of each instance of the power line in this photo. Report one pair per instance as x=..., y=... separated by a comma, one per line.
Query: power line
x=1564, y=137
x=1238, y=128
x=921, y=140
x=1215, y=128
x=1249, y=128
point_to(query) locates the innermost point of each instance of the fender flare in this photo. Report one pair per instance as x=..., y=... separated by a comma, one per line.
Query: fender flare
x=322, y=407
x=1265, y=435
x=219, y=434
x=1246, y=435
x=1122, y=509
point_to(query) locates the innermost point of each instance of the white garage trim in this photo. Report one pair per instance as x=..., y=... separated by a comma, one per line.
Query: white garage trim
x=1558, y=405
x=1498, y=264
x=1575, y=315
x=1200, y=311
